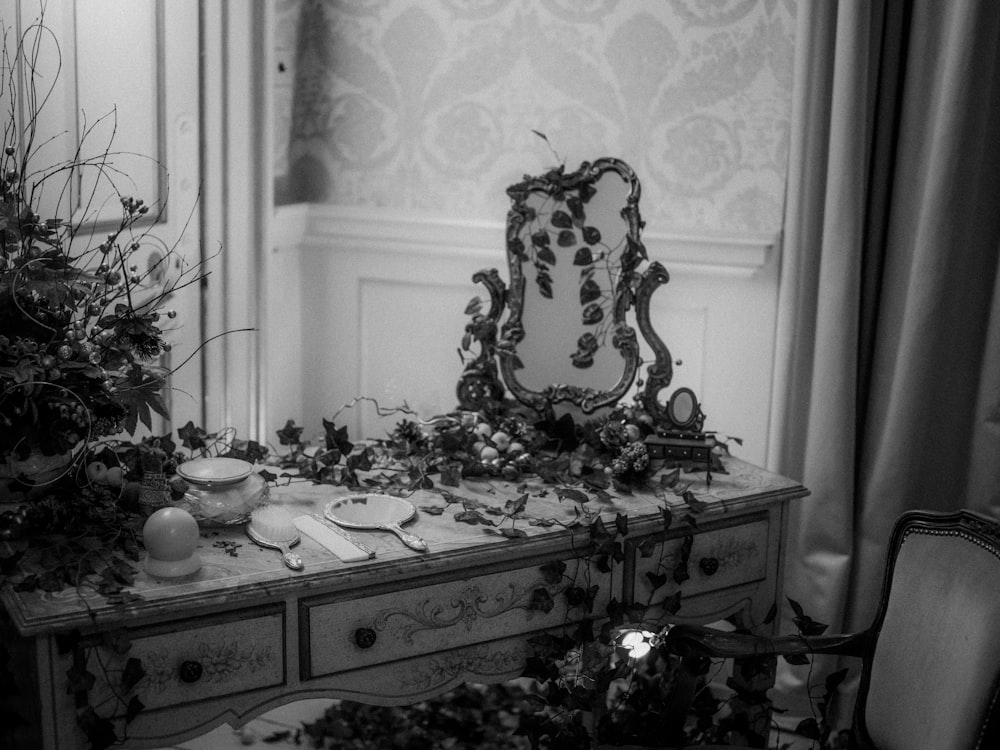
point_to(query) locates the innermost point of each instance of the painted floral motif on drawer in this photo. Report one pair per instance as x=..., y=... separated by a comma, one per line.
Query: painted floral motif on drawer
x=471, y=604
x=479, y=662
x=220, y=662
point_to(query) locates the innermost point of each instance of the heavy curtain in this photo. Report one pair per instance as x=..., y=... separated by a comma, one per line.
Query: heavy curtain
x=887, y=387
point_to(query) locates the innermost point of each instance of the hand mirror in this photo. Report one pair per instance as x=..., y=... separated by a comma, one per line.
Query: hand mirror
x=380, y=512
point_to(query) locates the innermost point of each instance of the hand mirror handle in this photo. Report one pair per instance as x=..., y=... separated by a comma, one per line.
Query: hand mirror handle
x=410, y=540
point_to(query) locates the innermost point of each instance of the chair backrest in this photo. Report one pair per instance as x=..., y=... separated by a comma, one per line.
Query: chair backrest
x=932, y=680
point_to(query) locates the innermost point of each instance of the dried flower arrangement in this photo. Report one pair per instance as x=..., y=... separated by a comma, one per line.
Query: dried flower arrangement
x=83, y=327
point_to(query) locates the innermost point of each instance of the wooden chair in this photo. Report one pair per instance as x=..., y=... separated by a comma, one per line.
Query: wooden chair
x=930, y=675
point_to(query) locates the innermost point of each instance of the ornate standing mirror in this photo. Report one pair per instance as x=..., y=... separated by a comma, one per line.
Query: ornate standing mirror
x=578, y=272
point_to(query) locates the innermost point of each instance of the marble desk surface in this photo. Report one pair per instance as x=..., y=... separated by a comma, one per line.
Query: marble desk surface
x=235, y=570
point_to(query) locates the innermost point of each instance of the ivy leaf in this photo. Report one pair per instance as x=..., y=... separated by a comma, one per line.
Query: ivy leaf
x=541, y=601
x=681, y=573
x=569, y=493
x=540, y=239
x=656, y=580
x=544, y=523
x=561, y=219
x=515, y=246
x=591, y=235
x=290, y=434
x=647, y=546
x=809, y=728
x=99, y=730
x=636, y=611
x=600, y=494
x=79, y=680
x=513, y=507
x=473, y=517
x=575, y=595
x=809, y=627
x=670, y=478
x=432, y=510
x=132, y=673
x=621, y=524
x=359, y=461
x=566, y=238
x=544, y=282
x=475, y=306
x=546, y=256
x=192, y=438
x=117, y=640
x=668, y=517
x=694, y=503
x=511, y=533
x=583, y=257
x=672, y=604
x=796, y=659
x=599, y=532
x=336, y=437
x=592, y=314
x=616, y=612
x=553, y=571
x=803, y=622
x=590, y=291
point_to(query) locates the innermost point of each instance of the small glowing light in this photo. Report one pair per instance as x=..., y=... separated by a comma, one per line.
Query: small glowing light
x=636, y=642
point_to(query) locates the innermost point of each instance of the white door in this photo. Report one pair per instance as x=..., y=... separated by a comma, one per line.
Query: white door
x=116, y=83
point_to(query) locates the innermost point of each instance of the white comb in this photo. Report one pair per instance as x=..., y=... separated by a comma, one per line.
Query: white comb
x=338, y=542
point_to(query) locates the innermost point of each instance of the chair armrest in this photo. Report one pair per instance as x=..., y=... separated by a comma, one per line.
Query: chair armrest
x=698, y=640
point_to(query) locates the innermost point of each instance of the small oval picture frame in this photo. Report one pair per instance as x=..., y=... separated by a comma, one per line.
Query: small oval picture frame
x=684, y=410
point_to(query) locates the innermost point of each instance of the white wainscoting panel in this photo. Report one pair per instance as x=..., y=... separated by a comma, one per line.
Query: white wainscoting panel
x=380, y=314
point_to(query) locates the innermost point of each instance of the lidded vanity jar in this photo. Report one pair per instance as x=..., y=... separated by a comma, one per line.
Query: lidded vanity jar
x=221, y=491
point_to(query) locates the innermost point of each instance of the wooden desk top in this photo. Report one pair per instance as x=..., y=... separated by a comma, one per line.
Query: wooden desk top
x=226, y=581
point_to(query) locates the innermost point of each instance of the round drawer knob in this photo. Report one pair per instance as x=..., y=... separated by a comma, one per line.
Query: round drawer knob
x=190, y=671
x=364, y=637
x=708, y=565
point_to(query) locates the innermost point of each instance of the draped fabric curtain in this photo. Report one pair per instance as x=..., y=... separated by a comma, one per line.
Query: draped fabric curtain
x=887, y=387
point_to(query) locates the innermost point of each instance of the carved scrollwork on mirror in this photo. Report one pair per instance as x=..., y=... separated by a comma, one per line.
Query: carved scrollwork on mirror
x=559, y=333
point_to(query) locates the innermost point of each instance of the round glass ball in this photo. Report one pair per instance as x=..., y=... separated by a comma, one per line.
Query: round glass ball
x=171, y=537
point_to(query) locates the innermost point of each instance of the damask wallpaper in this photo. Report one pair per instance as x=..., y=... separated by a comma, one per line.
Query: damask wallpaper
x=432, y=106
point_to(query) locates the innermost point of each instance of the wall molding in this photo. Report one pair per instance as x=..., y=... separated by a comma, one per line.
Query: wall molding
x=332, y=228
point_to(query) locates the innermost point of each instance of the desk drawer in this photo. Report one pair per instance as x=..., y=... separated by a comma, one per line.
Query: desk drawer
x=719, y=559
x=233, y=653
x=339, y=635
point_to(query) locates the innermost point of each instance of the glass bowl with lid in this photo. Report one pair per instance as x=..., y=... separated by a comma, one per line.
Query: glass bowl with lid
x=221, y=491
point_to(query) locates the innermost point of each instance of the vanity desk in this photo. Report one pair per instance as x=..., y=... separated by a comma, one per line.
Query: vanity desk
x=245, y=634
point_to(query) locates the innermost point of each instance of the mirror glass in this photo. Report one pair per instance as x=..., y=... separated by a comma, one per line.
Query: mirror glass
x=568, y=289
x=369, y=511
x=682, y=406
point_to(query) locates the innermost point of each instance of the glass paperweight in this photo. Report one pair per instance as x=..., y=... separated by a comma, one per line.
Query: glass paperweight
x=221, y=491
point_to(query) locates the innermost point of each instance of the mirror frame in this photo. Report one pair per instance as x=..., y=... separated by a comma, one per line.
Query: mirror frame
x=481, y=380
x=623, y=336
